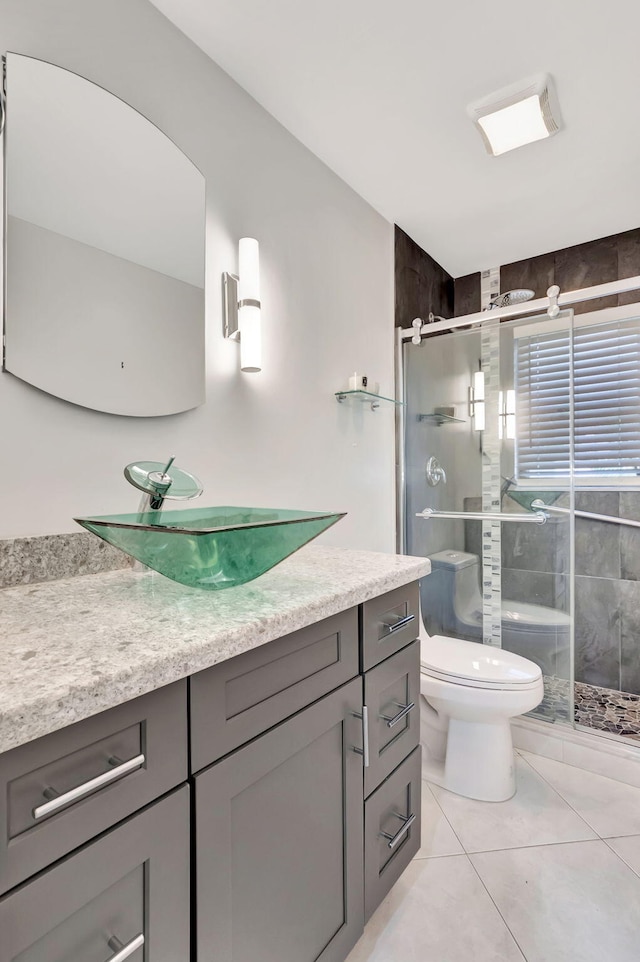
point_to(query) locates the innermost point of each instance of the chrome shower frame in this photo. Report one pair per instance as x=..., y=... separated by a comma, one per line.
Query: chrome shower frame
x=549, y=304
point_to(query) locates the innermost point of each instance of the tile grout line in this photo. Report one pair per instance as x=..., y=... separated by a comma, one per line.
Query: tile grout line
x=624, y=862
x=561, y=796
x=444, y=815
x=495, y=904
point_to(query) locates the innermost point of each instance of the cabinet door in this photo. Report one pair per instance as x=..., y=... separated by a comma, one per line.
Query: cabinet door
x=392, y=697
x=279, y=836
x=126, y=895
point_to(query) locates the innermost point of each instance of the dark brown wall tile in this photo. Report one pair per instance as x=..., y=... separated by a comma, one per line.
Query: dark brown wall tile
x=467, y=294
x=586, y=265
x=536, y=273
x=629, y=262
x=422, y=285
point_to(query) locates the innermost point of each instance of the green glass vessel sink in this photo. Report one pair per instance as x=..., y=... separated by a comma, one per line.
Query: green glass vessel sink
x=211, y=548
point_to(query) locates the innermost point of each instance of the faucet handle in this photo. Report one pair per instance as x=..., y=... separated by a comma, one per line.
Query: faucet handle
x=158, y=478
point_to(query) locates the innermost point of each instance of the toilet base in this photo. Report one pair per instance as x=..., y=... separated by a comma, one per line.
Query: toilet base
x=479, y=761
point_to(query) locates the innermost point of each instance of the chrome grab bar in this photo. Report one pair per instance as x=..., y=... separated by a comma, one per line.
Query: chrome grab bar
x=609, y=518
x=59, y=801
x=538, y=517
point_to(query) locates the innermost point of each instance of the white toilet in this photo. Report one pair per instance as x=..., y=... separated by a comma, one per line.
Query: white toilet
x=470, y=692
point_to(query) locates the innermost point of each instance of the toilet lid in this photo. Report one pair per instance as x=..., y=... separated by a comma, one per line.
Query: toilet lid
x=470, y=662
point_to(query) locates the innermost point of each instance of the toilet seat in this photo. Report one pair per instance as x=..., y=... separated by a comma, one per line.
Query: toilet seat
x=474, y=665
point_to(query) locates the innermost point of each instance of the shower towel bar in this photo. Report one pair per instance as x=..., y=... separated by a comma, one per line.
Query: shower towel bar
x=539, y=505
x=538, y=517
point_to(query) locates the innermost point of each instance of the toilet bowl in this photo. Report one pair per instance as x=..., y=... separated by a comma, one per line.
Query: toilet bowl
x=470, y=692
x=452, y=602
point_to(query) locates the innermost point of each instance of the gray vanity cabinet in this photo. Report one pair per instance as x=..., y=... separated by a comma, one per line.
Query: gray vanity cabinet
x=129, y=889
x=279, y=841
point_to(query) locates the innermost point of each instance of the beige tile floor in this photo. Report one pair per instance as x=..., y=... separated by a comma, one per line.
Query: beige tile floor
x=552, y=875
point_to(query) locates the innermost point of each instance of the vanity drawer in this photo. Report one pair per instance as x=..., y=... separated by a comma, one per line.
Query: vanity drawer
x=130, y=888
x=391, y=830
x=235, y=701
x=392, y=697
x=61, y=790
x=389, y=623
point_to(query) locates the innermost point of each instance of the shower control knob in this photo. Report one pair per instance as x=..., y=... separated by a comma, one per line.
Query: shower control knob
x=435, y=472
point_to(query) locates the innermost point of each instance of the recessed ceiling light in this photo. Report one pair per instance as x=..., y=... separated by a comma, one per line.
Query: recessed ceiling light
x=517, y=115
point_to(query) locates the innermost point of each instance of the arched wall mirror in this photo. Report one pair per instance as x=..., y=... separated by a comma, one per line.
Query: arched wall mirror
x=104, y=248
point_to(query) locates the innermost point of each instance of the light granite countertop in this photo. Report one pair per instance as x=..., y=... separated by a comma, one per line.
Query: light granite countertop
x=72, y=648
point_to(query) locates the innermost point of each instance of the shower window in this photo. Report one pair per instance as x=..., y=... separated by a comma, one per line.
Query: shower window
x=606, y=391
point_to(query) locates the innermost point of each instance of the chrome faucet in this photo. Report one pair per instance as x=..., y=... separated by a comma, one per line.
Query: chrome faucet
x=159, y=482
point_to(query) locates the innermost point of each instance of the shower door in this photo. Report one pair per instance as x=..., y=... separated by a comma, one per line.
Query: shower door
x=488, y=434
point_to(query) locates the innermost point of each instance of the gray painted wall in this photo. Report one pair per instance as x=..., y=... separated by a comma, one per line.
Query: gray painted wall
x=274, y=439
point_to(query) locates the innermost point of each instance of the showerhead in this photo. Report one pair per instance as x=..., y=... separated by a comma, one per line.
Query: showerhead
x=518, y=296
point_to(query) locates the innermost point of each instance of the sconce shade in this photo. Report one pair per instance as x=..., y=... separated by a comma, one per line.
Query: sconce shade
x=249, y=305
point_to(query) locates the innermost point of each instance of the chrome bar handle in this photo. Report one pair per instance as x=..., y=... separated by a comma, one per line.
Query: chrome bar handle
x=404, y=711
x=538, y=517
x=364, y=751
x=394, y=839
x=59, y=801
x=398, y=625
x=609, y=518
x=124, y=951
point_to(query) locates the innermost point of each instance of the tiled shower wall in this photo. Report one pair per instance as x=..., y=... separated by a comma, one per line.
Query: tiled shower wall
x=607, y=584
x=596, y=262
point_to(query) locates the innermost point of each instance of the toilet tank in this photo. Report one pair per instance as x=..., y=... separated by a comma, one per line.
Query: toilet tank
x=450, y=595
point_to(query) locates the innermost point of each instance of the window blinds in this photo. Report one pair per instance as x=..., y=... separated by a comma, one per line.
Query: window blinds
x=606, y=375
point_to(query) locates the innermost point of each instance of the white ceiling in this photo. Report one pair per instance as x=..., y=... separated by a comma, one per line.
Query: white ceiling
x=378, y=89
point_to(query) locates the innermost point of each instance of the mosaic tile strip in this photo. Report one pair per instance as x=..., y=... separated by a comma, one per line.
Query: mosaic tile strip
x=491, y=530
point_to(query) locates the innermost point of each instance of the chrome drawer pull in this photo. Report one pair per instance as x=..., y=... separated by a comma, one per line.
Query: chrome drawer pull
x=394, y=839
x=398, y=625
x=404, y=711
x=124, y=951
x=59, y=801
x=364, y=751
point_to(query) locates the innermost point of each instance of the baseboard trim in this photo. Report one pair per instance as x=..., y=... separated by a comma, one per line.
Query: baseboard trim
x=594, y=752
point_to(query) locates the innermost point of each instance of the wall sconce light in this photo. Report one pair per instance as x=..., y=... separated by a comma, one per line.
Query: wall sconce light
x=476, y=401
x=507, y=415
x=242, y=305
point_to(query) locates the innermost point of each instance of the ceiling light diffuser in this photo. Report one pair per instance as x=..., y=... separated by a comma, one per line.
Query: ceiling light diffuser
x=517, y=115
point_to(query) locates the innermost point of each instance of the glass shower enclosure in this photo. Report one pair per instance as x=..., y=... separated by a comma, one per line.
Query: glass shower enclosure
x=488, y=438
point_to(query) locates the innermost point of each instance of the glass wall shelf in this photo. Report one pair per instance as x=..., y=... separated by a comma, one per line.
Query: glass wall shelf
x=437, y=418
x=365, y=397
